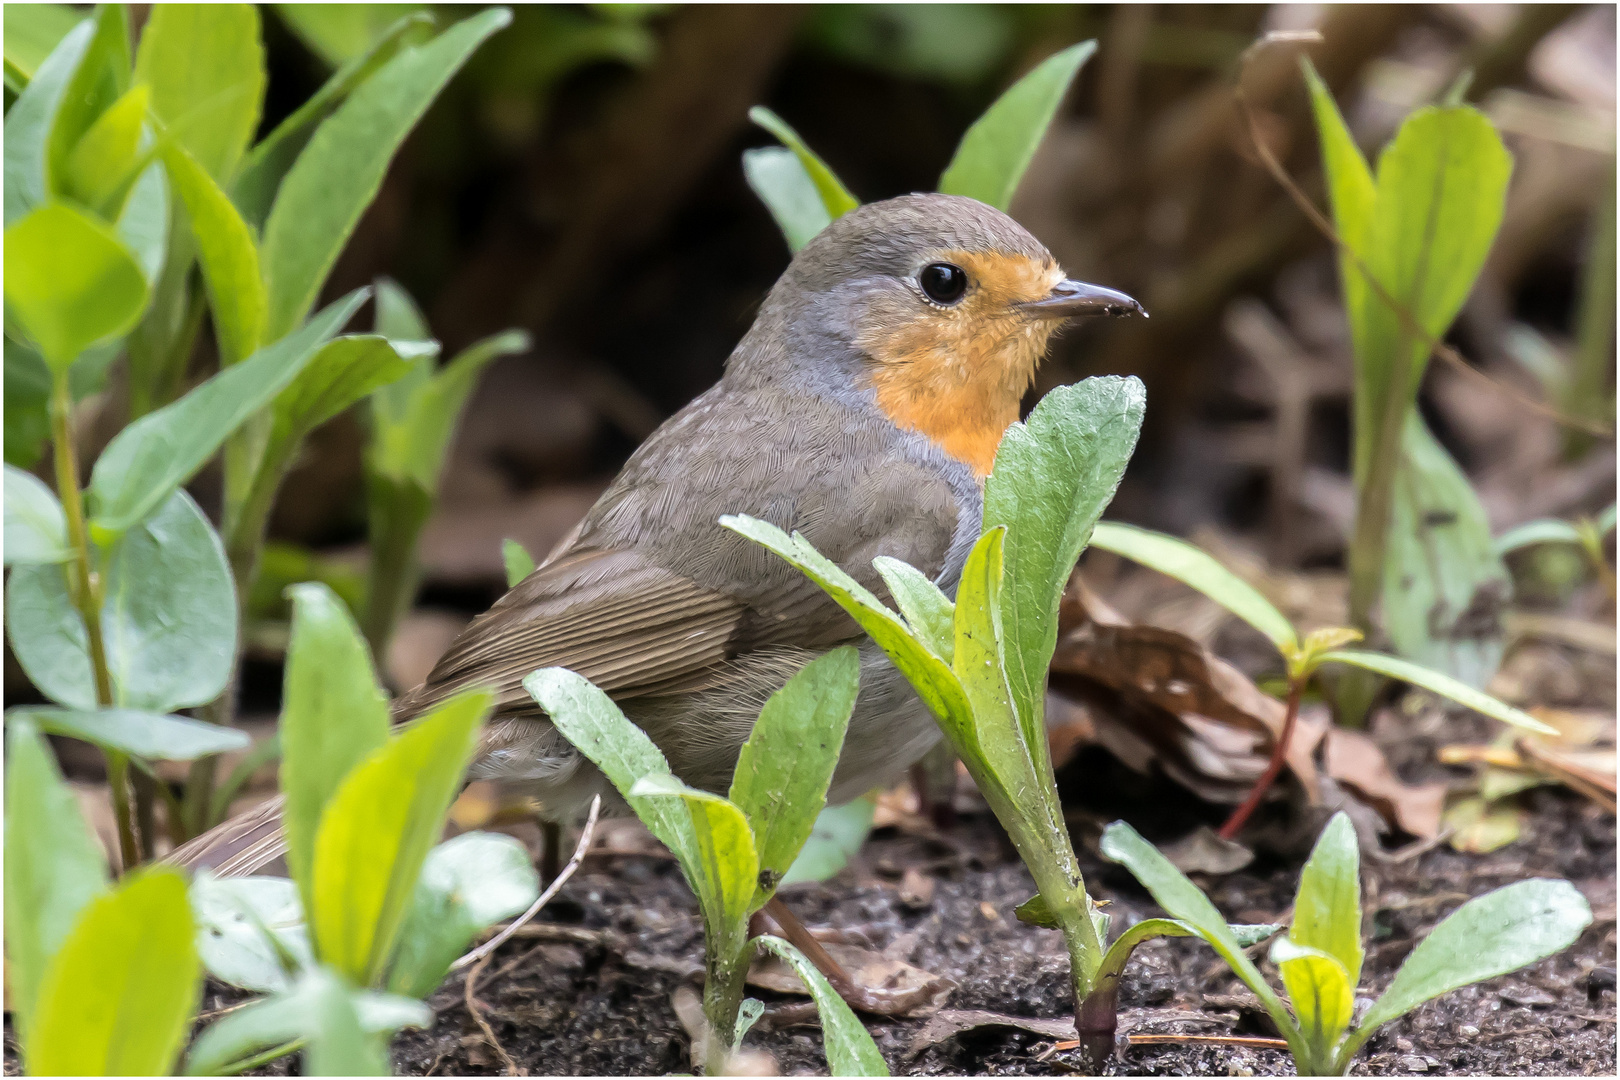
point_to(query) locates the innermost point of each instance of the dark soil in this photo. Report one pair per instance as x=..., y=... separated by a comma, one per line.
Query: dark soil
x=593, y=996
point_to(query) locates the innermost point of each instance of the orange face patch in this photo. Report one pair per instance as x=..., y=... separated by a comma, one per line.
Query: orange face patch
x=957, y=374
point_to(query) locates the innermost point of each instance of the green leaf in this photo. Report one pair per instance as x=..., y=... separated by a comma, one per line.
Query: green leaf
x=104, y=159
x=333, y=717
x=778, y=178
x=262, y=171
x=36, y=529
x=929, y=613
x=338, y=1045
x=399, y=319
x=339, y=33
x=229, y=257
x=468, y=884
x=992, y=157
x=725, y=869
x=519, y=563
x=153, y=736
x=590, y=721
x=1323, y=998
x=850, y=1049
x=1191, y=565
x=205, y=65
x=47, y=635
x=1037, y=912
x=377, y=830
x=1350, y=188
x=28, y=123
x=337, y=175
x=250, y=931
x=27, y=405
x=54, y=867
x=1540, y=531
x=835, y=198
x=1327, y=908
x=101, y=78
x=1438, y=683
x=1490, y=935
x=1053, y=476
x=786, y=765
x=835, y=837
x=143, y=224
x=980, y=668
x=32, y=32
x=117, y=1000
x=1186, y=903
x=69, y=282
x=160, y=451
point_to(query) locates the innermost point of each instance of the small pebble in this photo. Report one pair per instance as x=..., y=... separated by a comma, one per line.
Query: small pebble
x=1404, y=1046
x=1468, y=1031
x=1411, y=1063
x=1528, y=997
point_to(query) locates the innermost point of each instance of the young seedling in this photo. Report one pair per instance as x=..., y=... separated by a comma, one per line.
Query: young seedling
x=980, y=663
x=1320, y=957
x=1303, y=657
x=1584, y=533
x=735, y=850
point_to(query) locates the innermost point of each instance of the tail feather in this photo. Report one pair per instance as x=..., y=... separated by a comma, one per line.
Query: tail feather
x=250, y=843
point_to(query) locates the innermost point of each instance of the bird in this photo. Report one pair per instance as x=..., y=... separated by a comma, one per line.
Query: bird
x=862, y=409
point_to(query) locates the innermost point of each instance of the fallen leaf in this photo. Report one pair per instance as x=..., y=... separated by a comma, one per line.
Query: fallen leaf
x=913, y=991
x=1355, y=761
x=1202, y=851
x=1479, y=827
x=948, y=1023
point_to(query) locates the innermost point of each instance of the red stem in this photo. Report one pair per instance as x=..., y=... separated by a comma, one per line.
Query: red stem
x=1279, y=754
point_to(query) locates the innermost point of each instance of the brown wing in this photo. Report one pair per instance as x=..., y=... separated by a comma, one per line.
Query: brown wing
x=629, y=627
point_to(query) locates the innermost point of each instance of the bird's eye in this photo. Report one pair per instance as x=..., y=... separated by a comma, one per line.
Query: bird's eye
x=943, y=282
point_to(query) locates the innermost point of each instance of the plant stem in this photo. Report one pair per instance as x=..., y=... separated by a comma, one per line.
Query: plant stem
x=398, y=510
x=84, y=586
x=1279, y=755
x=725, y=974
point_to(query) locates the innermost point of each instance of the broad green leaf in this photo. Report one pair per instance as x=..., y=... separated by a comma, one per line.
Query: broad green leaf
x=1351, y=189
x=118, y=997
x=47, y=635
x=340, y=33
x=981, y=670
x=995, y=151
x=205, y=65
x=27, y=405
x=1444, y=583
x=228, y=254
x=399, y=319
x=850, y=1049
x=250, y=930
x=1437, y=683
x=28, y=123
x=1540, y=531
x=835, y=198
x=1052, y=478
x=333, y=717
x=153, y=736
x=787, y=763
x=32, y=31
x=36, y=529
x=1327, y=908
x=105, y=158
x=337, y=175
x=338, y=1044
x=929, y=612
x=54, y=866
x=260, y=176
x=101, y=78
x=725, y=869
x=468, y=884
x=1191, y=565
x=519, y=563
x=69, y=282
x=778, y=178
x=835, y=837
x=1322, y=995
x=1488, y=936
x=590, y=721
x=160, y=451
x=1186, y=903
x=377, y=830
x=143, y=224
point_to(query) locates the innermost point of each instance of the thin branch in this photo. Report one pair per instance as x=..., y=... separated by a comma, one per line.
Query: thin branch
x=483, y=1025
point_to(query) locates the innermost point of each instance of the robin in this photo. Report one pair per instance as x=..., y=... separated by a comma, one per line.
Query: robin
x=863, y=409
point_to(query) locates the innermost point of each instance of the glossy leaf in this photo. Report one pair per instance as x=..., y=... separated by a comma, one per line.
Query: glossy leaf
x=32, y=31
x=228, y=254
x=337, y=175
x=160, y=451
x=377, y=830
x=724, y=869
x=786, y=765
x=835, y=198
x=468, y=884
x=69, y=282
x=1053, y=476
x=1193, y=566
x=36, y=529
x=777, y=176
x=850, y=1049
x=28, y=122
x=105, y=157
x=250, y=931
x=117, y=999
x=1322, y=995
x=47, y=635
x=835, y=837
x=992, y=157
x=54, y=866
x=1438, y=683
x=153, y=736
x=205, y=65
x=519, y=563
x=928, y=612
x=1327, y=908
x=333, y=717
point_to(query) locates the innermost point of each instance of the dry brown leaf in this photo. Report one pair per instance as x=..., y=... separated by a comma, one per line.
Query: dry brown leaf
x=1353, y=759
x=1202, y=851
x=913, y=991
x=949, y=1023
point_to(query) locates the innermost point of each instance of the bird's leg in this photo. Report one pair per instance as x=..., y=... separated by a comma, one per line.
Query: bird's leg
x=550, y=852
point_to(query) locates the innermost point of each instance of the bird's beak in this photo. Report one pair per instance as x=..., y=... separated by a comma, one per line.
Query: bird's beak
x=1070, y=298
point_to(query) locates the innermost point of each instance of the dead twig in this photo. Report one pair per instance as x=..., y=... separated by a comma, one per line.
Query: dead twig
x=1258, y=1041
x=483, y=1025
